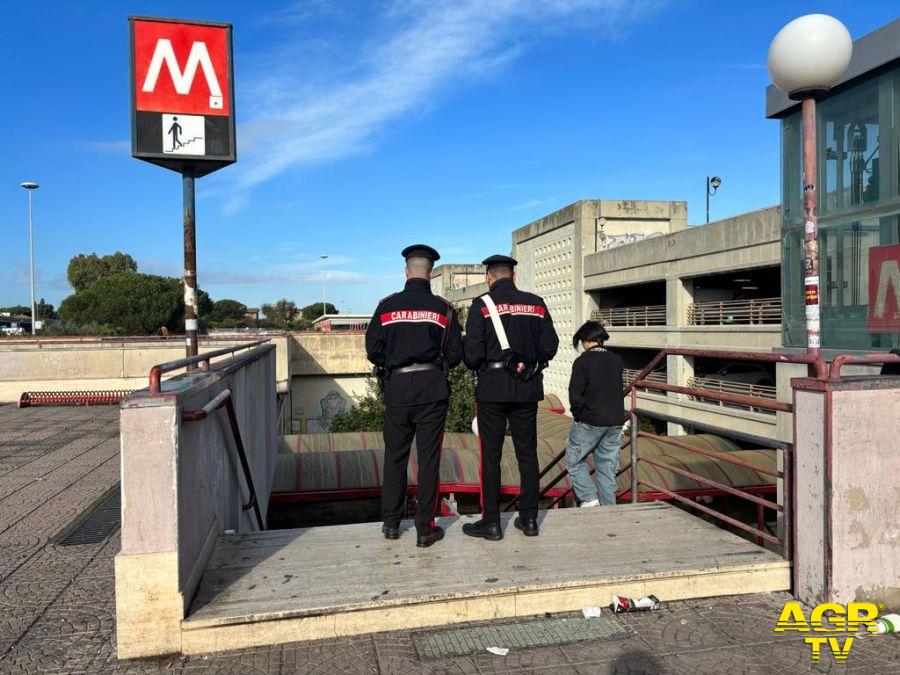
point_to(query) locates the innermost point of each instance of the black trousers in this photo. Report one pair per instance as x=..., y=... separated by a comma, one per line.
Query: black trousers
x=425, y=422
x=492, y=418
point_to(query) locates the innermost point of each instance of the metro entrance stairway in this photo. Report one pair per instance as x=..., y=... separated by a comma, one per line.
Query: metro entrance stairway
x=280, y=586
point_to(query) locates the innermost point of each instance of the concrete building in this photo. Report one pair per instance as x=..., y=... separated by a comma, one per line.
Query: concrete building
x=551, y=252
x=454, y=277
x=656, y=284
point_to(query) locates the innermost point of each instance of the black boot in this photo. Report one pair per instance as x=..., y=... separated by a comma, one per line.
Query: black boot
x=426, y=540
x=528, y=526
x=483, y=530
x=390, y=532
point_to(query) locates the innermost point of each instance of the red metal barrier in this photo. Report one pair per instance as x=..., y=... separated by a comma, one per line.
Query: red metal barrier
x=101, y=397
x=223, y=399
x=203, y=359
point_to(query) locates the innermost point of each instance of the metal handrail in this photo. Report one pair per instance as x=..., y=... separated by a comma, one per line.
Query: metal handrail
x=725, y=397
x=224, y=398
x=203, y=359
x=629, y=375
x=834, y=373
x=815, y=364
x=720, y=384
x=724, y=312
x=643, y=315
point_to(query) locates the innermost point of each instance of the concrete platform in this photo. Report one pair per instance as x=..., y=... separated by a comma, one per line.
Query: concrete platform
x=314, y=583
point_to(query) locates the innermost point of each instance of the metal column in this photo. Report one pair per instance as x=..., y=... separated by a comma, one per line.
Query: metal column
x=190, y=265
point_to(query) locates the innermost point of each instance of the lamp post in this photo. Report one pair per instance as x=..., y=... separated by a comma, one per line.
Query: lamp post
x=712, y=186
x=323, y=258
x=31, y=187
x=807, y=58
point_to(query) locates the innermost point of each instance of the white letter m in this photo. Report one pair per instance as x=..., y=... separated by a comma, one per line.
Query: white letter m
x=199, y=56
x=890, y=276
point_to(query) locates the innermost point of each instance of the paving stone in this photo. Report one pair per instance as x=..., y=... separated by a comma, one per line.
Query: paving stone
x=676, y=628
x=57, y=606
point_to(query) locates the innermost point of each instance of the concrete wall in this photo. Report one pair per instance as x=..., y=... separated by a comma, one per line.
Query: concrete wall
x=316, y=399
x=316, y=353
x=92, y=364
x=181, y=488
x=848, y=496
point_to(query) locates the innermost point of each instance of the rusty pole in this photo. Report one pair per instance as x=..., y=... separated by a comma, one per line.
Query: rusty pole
x=190, y=266
x=811, y=228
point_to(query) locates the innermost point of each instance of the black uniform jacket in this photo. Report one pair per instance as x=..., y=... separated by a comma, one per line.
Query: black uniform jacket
x=530, y=332
x=407, y=328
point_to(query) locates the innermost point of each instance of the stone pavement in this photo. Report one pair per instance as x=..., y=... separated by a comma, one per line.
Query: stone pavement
x=57, y=610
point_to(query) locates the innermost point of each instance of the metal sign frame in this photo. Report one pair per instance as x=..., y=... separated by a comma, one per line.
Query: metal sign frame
x=186, y=165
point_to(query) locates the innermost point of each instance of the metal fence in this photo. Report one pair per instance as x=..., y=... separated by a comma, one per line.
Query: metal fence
x=727, y=386
x=727, y=312
x=630, y=374
x=646, y=315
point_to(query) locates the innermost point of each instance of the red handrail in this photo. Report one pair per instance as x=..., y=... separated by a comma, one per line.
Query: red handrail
x=157, y=370
x=224, y=398
x=834, y=373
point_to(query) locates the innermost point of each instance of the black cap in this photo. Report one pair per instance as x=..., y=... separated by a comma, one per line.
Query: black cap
x=499, y=260
x=421, y=251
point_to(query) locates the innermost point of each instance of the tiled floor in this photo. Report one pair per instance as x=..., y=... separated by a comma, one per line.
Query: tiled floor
x=57, y=612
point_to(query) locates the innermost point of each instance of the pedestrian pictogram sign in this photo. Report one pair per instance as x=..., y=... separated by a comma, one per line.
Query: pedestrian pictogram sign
x=182, y=94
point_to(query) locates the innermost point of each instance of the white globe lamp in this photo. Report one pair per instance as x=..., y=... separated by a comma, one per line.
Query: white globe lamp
x=807, y=58
x=809, y=55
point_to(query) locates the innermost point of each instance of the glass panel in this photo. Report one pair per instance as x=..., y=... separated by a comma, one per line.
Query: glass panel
x=844, y=283
x=791, y=157
x=793, y=322
x=849, y=146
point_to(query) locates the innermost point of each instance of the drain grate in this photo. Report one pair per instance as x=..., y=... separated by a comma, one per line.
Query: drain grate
x=541, y=633
x=100, y=522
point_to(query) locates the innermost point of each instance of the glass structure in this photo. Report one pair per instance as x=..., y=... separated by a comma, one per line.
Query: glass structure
x=858, y=134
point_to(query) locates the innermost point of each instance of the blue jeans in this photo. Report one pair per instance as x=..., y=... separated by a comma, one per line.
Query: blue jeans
x=605, y=443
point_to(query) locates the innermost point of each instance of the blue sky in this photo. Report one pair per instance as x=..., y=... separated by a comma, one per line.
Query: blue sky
x=366, y=126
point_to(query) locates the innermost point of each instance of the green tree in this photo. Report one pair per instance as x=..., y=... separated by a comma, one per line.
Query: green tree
x=17, y=310
x=204, y=304
x=84, y=270
x=462, y=400
x=127, y=303
x=282, y=314
x=368, y=415
x=314, y=311
x=45, y=310
x=227, y=310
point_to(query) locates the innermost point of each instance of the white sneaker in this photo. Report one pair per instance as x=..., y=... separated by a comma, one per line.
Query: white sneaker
x=590, y=504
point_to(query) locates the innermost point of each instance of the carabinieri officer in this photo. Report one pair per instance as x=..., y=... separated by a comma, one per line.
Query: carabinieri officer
x=509, y=386
x=414, y=339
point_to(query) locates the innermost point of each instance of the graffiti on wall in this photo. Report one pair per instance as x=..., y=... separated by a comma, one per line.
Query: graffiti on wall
x=608, y=241
x=331, y=405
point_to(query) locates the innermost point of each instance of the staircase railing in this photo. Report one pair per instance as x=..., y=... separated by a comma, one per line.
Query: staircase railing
x=223, y=399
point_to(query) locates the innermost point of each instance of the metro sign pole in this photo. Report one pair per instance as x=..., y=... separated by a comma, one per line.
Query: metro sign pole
x=182, y=116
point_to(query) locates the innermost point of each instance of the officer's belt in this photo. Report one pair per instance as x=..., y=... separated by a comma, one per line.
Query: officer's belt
x=416, y=368
x=493, y=365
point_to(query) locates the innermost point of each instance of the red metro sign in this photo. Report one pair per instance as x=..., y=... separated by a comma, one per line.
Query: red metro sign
x=182, y=94
x=884, y=289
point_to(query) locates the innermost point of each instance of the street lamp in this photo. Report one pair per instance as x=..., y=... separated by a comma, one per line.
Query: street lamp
x=807, y=58
x=712, y=186
x=323, y=258
x=31, y=187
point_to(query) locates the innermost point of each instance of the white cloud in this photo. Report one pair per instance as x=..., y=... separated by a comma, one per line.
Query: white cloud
x=312, y=112
x=272, y=269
